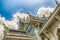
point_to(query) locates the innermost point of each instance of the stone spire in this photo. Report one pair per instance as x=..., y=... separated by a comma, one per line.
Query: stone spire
x=56, y=2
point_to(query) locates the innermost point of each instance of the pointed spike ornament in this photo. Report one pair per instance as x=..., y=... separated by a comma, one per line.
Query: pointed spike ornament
x=56, y=2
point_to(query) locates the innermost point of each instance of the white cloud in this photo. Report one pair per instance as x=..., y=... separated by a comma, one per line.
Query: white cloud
x=11, y=24
x=44, y=11
x=20, y=15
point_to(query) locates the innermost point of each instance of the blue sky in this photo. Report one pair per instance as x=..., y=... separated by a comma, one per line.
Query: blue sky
x=9, y=7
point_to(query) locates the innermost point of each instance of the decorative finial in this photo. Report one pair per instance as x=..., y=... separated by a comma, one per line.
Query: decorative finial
x=56, y=2
x=29, y=13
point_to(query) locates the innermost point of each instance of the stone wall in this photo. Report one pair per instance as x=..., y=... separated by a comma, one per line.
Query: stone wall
x=53, y=34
